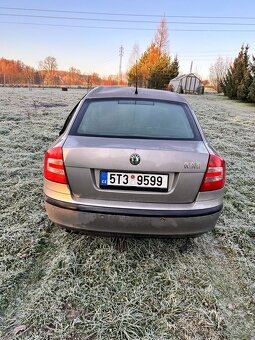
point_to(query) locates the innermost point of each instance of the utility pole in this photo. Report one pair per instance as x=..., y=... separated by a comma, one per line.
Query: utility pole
x=121, y=53
x=191, y=65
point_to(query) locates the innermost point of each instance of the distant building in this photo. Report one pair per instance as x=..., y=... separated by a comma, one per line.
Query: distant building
x=186, y=83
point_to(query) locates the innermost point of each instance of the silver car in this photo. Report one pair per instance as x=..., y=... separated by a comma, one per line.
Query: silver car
x=133, y=163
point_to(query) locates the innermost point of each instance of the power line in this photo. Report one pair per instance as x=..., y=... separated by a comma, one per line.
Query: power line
x=79, y=26
x=77, y=18
x=123, y=28
x=127, y=21
x=126, y=14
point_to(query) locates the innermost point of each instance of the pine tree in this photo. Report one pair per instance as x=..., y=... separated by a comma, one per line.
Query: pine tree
x=237, y=74
x=162, y=72
x=243, y=88
x=237, y=82
x=228, y=84
x=251, y=94
x=174, y=68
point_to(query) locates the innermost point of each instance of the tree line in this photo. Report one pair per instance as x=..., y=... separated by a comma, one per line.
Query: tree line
x=235, y=79
x=15, y=72
x=239, y=81
x=153, y=69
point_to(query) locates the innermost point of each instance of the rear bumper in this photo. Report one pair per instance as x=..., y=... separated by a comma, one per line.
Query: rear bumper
x=132, y=221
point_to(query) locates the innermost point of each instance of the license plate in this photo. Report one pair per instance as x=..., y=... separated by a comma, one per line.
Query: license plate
x=133, y=180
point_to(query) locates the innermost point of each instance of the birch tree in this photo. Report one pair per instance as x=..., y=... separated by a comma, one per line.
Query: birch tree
x=218, y=71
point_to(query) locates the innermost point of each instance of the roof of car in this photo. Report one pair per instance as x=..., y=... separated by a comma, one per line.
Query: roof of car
x=129, y=92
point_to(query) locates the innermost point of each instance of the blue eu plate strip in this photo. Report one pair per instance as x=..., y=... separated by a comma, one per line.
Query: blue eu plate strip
x=103, y=177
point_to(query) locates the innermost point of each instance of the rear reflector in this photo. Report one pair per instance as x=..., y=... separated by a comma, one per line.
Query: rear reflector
x=214, y=178
x=54, y=169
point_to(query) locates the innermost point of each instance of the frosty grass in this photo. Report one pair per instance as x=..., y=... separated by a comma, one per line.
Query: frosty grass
x=60, y=285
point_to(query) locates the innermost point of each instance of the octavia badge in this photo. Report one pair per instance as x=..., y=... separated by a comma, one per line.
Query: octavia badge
x=135, y=159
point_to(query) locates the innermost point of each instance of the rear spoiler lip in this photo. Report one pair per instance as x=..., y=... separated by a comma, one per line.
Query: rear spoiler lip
x=133, y=212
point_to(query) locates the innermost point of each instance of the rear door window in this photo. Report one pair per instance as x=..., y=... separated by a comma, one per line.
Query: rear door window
x=68, y=119
x=136, y=119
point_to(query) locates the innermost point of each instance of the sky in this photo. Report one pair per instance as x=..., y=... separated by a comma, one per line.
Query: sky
x=31, y=39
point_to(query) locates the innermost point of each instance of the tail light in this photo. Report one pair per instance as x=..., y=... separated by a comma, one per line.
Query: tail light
x=54, y=169
x=214, y=178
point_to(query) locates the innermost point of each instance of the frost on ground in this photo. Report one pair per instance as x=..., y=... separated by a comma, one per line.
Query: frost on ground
x=59, y=285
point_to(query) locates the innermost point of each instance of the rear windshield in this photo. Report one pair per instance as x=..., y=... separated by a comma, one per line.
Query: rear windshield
x=135, y=119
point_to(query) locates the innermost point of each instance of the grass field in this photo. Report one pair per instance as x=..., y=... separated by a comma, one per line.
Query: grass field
x=58, y=285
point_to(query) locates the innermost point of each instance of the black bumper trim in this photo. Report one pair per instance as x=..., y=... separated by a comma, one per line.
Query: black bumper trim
x=133, y=212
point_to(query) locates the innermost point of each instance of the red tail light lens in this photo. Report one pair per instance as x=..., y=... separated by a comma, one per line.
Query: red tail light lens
x=54, y=169
x=214, y=178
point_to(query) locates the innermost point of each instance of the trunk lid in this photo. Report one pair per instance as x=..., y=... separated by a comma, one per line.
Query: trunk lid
x=184, y=162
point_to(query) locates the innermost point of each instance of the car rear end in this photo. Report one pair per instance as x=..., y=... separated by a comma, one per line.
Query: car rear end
x=134, y=164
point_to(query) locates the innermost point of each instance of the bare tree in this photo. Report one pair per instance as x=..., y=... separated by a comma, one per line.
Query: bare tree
x=218, y=71
x=134, y=56
x=73, y=76
x=49, y=67
x=161, y=37
x=42, y=73
x=29, y=73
